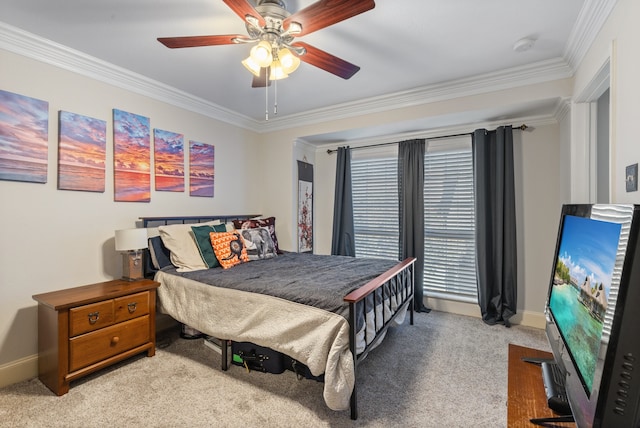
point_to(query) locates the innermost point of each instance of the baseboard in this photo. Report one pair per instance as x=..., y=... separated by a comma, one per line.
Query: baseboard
x=19, y=370
x=524, y=318
x=530, y=319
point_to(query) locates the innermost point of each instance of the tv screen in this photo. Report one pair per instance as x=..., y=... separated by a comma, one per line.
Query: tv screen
x=581, y=287
x=593, y=312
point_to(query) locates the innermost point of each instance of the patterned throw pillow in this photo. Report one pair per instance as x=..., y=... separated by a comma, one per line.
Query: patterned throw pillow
x=229, y=248
x=269, y=223
x=258, y=243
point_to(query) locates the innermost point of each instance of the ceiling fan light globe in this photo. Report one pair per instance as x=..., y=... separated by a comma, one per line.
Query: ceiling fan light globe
x=277, y=72
x=289, y=61
x=261, y=54
x=252, y=66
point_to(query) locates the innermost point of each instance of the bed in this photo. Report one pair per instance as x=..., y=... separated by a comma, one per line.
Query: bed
x=320, y=310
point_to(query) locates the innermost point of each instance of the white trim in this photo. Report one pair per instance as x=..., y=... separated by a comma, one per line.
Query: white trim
x=598, y=85
x=530, y=74
x=524, y=318
x=29, y=45
x=19, y=370
x=35, y=47
x=592, y=17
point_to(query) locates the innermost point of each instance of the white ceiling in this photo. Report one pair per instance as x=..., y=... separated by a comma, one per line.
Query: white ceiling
x=400, y=45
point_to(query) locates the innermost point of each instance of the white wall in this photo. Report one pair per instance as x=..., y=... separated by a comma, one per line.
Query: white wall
x=53, y=239
x=618, y=42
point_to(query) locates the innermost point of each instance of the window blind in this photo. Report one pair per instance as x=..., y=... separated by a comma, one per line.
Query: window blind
x=449, y=259
x=449, y=221
x=375, y=206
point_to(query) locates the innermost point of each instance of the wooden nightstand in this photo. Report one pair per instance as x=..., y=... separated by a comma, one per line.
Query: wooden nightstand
x=84, y=329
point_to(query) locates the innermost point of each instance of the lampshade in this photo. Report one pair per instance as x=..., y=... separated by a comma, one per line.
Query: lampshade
x=289, y=61
x=252, y=66
x=277, y=72
x=261, y=54
x=131, y=239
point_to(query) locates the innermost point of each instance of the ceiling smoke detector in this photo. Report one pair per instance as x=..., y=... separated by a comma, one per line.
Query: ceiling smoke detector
x=523, y=44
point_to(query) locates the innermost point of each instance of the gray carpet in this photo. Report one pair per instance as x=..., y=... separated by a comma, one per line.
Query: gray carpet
x=444, y=371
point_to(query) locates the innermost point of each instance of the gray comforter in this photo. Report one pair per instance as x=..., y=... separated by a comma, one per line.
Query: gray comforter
x=320, y=281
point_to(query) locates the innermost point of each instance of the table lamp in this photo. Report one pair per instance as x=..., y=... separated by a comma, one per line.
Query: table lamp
x=131, y=242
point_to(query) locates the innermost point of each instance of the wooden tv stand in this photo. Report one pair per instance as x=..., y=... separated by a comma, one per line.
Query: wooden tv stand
x=526, y=396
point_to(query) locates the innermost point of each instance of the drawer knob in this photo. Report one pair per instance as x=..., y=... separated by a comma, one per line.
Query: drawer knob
x=115, y=340
x=93, y=317
x=132, y=307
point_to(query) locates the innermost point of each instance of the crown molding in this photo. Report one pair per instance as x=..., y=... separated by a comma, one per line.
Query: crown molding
x=563, y=109
x=539, y=72
x=590, y=20
x=40, y=49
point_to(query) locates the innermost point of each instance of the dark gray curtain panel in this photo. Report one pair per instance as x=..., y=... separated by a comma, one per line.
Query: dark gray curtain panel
x=411, y=210
x=495, y=224
x=342, y=240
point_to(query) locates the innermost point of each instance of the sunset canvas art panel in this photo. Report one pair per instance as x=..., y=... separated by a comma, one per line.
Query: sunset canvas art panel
x=201, y=170
x=24, y=138
x=82, y=145
x=131, y=157
x=168, y=150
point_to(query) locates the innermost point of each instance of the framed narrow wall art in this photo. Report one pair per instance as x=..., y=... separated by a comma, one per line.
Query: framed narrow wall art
x=201, y=169
x=131, y=157
x=24, y=138
x=305, y=207
x=82, y=145
x=168, y=148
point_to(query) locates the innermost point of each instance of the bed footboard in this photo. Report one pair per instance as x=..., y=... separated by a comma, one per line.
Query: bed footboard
x=397, y=282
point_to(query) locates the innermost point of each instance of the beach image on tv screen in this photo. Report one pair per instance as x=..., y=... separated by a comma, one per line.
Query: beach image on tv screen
x=581, y=287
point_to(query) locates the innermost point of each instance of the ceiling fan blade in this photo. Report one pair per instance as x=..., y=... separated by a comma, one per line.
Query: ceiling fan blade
x=195, y=41
x=327, y=62
x=327, y=12
x=242, y=8
x=262, y=80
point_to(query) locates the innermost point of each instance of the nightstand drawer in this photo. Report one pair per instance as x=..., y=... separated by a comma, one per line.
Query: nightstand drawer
x=99, y=345
x=133, y=306
x=87, y=328
x=90, y=317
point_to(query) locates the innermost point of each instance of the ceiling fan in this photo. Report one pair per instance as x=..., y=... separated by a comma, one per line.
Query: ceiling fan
x=274, y=29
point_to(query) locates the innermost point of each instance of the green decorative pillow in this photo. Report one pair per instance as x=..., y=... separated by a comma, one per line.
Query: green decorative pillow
x=201, y=233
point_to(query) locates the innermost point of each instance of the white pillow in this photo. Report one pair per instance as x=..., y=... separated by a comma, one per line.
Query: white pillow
x=181, y=242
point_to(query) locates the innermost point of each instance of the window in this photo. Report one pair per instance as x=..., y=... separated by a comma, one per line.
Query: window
x=449, y=220
x=374, y=181
x=449, y=223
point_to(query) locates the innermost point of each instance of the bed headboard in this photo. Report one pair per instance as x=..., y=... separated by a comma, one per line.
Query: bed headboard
x=162, y=221
x=154, y=222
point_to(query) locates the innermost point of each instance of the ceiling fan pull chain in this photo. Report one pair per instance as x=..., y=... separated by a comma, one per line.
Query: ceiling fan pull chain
x=275, y=98
x=266, y=96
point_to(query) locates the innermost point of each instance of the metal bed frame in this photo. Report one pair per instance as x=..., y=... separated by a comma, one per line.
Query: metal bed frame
x=399, y=280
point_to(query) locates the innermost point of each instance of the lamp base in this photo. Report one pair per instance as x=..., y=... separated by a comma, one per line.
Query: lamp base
x=132, y=266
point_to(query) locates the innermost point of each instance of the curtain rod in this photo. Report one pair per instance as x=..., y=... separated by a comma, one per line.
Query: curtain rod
x=329, y=151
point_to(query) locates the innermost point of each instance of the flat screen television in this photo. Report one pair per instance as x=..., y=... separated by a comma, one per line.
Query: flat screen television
x=593, y=313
